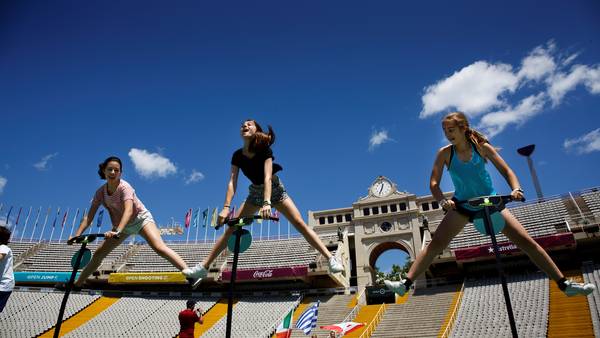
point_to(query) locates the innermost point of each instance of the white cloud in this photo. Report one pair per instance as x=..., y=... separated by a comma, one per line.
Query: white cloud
x=585, y=144
x=194, y=177
x=43, y=163
x=474, y=90
x=494, y=123
x=488, y=90
x=151, y=165
x=3, y=182
x=378, y=138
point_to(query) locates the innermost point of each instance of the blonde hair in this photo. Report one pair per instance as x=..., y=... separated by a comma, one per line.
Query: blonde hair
x=472, y=135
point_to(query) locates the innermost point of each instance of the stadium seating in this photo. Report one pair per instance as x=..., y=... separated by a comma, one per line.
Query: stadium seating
x=332, y=310
x=276, y=253
x=20, y=248
x=592, y=199
x=146, y=260
x=29, y=313
x=482, y=312
x=591, y=274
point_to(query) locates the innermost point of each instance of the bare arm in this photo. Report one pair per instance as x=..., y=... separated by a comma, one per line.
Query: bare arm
x=509, y=175
x=2, y=255
x=436, y=173
x=231, y=187
x=87, y=220
x=265, y=210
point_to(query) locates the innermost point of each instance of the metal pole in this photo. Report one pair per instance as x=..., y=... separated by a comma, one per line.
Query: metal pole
x=536, y=182
x=236, y=253
x=68, y=288
x=488, y=228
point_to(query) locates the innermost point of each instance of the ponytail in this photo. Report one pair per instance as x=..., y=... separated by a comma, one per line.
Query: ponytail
x=261, y=141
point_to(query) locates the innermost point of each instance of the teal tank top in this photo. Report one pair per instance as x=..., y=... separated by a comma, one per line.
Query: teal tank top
x=470, y=179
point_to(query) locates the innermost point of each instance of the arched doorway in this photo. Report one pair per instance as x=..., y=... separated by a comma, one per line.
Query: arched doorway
x=386, y=254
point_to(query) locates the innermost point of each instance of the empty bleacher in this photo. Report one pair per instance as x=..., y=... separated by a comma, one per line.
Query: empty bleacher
x=332, y=310
x=540, y=218
x=146, y=260
x=592, y=200
x=591, y=274
x=30, y=313
x=21, y=248
x=482, y=312
x=276, y=253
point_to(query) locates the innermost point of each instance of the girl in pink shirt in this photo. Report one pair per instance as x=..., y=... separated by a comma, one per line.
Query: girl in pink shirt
x=128, y=216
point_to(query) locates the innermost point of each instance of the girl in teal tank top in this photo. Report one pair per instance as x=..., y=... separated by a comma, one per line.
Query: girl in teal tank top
x=465, y=159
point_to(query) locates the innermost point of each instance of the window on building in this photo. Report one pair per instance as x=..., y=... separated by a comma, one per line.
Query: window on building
x=375, y=210
x=338, y=218
x=329, y=219
x=425, y=206
x=435, y=205
x=384, y=209
x=366, y=211
x=321, y=220
x=402, y=206
x=348, y=217
x=393, y=208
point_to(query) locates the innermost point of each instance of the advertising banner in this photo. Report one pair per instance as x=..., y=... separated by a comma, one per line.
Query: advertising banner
x=267, y=273
x=147, y=278
x=43, y=277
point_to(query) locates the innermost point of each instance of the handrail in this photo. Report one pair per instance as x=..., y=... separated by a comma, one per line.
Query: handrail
x=450, y=324
x=371, y=327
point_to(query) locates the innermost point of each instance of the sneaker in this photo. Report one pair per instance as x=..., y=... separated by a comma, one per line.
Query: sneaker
x=334, y=265
x=398, y=287
x=195, y=274
x=574, y=288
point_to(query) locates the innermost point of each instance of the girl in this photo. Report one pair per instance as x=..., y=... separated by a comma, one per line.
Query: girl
x=7, y=276
x=465, y=159
x=128, y=216
x=255, y=159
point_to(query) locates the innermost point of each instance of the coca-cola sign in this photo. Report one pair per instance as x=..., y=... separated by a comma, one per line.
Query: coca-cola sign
x=258, y=274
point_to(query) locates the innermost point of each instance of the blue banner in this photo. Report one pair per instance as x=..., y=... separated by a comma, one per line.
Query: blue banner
x=43, y=277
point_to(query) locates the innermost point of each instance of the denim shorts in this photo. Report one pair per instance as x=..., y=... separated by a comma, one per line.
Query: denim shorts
x=470, y=213
x=135, y=226
x=256, y=192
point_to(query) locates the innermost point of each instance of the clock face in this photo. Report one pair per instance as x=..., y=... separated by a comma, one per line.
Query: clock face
x=381, y=188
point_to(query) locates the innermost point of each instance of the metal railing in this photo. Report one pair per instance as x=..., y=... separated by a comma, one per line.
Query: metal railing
x=450, y=323
x=373, y=324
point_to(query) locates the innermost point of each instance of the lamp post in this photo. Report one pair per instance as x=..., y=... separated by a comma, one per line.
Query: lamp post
x=527, y=151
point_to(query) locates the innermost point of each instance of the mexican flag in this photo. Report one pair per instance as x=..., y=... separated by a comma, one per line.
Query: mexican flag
x=283, y=330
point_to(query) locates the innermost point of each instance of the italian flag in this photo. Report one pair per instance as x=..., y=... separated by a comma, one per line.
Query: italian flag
x=283, y=330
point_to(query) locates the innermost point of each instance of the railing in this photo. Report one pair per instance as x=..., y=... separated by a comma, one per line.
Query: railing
x=373, y=324
x=450, y=323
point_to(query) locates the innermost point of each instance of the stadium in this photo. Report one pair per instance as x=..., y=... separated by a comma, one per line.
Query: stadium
x=136, y=293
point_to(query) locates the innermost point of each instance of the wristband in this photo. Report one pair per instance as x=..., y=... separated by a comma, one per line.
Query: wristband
x=267, y=202
x=225, y=206
x=519, y=190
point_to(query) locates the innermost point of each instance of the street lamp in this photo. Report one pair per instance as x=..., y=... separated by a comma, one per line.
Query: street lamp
x=527, y=151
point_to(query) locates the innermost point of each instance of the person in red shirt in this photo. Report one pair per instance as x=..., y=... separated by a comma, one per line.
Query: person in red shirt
x=188, y=319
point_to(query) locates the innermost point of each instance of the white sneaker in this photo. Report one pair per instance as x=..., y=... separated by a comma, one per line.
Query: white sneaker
x=195, y=274
x=334, y=265
x=574, y=288
x=397, y=287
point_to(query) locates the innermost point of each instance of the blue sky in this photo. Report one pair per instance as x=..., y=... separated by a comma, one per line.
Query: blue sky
x=353, y=91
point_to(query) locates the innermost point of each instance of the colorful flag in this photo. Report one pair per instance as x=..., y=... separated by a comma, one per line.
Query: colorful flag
x=64, y=219
x=275, y=214
x=99, y=220
x=18, y=216
x=188, y=218
x=284, y=330
x=308, y=319
x=213, y=219
x=231, y=213
x=8, y=215
x=197, y=218
x=205, y=217
x=344, y=327
x=57, y=214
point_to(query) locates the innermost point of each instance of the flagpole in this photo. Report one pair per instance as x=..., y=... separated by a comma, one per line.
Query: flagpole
x=45, y=222
x=206, y=224
x=73, y=224
x=17, y=222
x=62, y=224
x=54, y=225
x=26, y=222
x=261, y=230
x=288, y=229
x=37, y=218
x=197, y=219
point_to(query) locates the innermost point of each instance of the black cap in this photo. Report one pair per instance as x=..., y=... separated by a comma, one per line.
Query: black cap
x=190, y=303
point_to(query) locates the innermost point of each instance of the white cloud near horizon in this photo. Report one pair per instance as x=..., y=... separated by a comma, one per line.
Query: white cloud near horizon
x=378, y=138
x=151, y=165
x=42, y=165
x=194, y=177
x=486, y=91
x=584, y=144
x=3, y=182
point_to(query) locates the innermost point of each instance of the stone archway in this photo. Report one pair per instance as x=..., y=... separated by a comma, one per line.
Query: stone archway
x=379, y=249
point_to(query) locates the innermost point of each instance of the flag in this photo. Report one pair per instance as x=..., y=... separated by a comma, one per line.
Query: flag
x=275, y=214
x=8, y=215
x=284, y=330
x=213, y=219
x=197, y=218
x=188, y=218
x=62, y=225
x=99, y=220
x=57, y=214
x=18, y=216
x=231, y=213
x=344, y=327
x=205, y=217
x=308, y=319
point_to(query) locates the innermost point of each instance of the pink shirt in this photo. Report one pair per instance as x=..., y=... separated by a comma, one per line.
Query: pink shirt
x=115, y=203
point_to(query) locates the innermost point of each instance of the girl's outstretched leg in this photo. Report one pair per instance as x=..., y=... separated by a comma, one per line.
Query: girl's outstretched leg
x=450, y=226
x=101, y=252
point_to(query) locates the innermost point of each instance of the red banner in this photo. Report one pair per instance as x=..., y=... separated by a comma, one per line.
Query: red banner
x=546, y=242
x=267, y=273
